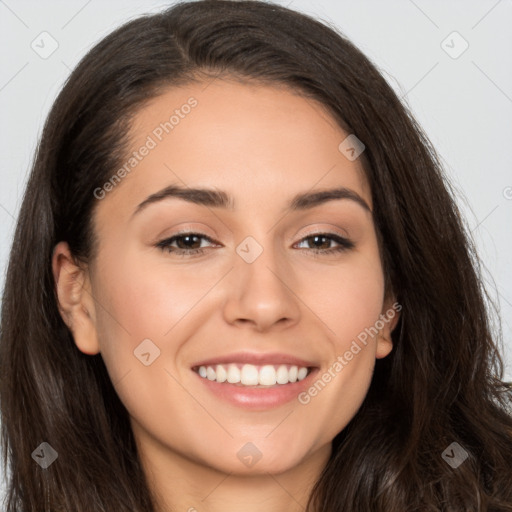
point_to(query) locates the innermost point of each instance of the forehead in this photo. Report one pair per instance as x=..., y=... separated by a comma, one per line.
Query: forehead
x=256, y=142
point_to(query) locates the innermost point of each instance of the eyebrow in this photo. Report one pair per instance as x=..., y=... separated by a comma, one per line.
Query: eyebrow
x=220, y=199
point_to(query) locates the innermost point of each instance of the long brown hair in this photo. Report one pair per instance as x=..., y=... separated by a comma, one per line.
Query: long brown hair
x=440, y=385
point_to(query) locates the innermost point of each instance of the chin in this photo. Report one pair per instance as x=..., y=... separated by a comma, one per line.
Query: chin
x=259, y=458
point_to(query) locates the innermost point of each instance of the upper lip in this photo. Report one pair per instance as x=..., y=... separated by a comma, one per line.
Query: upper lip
x=257, y=359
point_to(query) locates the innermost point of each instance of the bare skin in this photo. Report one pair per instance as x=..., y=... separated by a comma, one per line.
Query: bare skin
x=262, y=145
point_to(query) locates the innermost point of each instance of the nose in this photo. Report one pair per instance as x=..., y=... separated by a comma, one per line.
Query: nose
x=261, y=293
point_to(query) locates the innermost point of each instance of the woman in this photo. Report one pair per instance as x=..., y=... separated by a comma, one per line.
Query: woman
x=176, y=335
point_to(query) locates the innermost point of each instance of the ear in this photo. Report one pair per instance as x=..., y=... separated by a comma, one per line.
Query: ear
x=75, y=301
x=389, y=317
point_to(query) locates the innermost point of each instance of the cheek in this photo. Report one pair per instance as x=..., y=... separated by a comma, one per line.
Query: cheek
x=137, y=301
x=347, y=298
x=148, y=299
x=348, y=301
x=339, y=389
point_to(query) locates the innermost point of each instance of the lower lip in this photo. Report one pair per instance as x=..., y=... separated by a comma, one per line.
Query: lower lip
x=255, y=398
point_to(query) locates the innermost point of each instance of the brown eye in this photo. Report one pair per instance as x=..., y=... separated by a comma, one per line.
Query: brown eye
x=317, y=243
x=186, y=243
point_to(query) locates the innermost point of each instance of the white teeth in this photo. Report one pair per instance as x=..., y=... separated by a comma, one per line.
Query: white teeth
x=267, y=376
x=221, y=373
x=282, y=375
x=233, y=374
x=251, y=375
x=302, y=373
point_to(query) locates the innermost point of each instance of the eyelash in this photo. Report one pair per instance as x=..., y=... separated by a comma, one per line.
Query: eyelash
x=344, y=244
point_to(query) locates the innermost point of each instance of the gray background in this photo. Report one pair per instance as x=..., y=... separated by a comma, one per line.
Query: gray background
x=463, y=102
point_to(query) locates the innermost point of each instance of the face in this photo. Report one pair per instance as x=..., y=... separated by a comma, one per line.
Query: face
x=260, y=287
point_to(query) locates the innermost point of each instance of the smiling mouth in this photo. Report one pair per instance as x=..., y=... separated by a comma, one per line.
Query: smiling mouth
x=249, y=375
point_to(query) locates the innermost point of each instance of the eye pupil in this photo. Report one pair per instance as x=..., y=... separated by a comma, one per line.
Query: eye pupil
x=188, y=239
x=316, y=238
